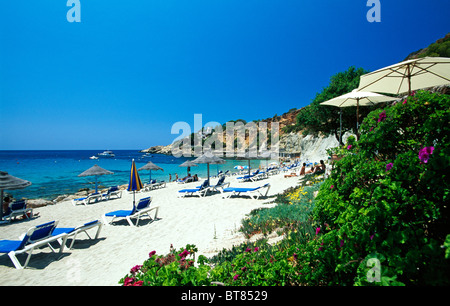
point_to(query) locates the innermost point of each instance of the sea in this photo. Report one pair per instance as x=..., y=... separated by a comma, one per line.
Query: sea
x=55, y=172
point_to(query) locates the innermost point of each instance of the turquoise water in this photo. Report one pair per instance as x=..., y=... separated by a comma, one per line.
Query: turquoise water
x=53, y=173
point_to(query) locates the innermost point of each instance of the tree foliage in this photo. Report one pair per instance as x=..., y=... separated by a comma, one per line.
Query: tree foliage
x=316, y=118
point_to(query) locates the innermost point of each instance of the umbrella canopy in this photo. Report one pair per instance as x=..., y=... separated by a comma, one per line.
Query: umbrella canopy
x=208, y=158
x=150, y=166
x=95, y=170
x=188, y=164
x=9, y=182
x=135, y=183
x=356, y=98
x=407, y=76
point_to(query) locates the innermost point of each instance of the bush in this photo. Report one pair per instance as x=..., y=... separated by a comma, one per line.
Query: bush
x=389, y=199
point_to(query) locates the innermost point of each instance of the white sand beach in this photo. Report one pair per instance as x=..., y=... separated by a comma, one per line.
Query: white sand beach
x=210, y=222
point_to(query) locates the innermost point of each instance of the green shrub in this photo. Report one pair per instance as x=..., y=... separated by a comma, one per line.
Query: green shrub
x=390, y=197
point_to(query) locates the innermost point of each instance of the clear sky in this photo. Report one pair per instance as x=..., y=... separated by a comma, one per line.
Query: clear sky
x=121, y=77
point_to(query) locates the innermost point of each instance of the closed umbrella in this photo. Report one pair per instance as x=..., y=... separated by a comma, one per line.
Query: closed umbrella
x=407, y=76
x=135, y=183
x=96, y=171
x=150, y=166
x=208, y=158
x=356, y=98
x=9, y=182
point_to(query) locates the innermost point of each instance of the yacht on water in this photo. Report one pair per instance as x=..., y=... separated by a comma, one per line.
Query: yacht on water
x=107, y=153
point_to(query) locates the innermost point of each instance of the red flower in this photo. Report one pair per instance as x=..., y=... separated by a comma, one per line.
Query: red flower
x=151, y=254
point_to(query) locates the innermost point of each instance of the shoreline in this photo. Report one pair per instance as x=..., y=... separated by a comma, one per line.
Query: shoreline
x=211, y=223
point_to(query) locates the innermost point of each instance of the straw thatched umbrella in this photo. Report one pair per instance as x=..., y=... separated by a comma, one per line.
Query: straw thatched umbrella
x=9, y=182
x=150, y=166
x=188, y=164
x=208, y=158
x=96, y=171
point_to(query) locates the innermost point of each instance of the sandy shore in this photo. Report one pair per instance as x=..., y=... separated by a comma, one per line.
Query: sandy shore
x=211, y=223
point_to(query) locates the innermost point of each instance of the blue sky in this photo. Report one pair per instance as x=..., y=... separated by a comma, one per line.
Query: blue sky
x=121, y=77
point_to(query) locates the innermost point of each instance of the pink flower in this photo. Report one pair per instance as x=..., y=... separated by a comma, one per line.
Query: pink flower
x=317, y=230
x=184, y=253
x=404, y=102
x=349, y=147
x=138, y=283
x=389, y=166
x=256, y=249
x=236, y=277
x=382, y=116
x=128, y=281
x=135, y=269
x=332, y=186
x=320, y=249
x=151, y=254
x=424, y=154
x=248, y=250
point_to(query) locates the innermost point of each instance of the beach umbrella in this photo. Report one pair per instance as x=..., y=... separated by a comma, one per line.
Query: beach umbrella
x=9, y=182
x=188, y=164
x=150, y=166
x=356, y=98
x=407, y=76
x=239, y=167
x=135, y=183
x=208, y=158
x=96, y=171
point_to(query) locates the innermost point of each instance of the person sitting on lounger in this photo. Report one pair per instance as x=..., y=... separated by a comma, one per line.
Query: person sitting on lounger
x=319, y=169
x=302, y=170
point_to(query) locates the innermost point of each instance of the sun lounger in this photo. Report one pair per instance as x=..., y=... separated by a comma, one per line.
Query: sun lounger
x=248, y=177
x=154, y=185
x=220, y=184
x=142, y=208
x=254, y=193
x=18, y=209
x=74, y=231
x=34, y=238
x=185, y=180
x=93, y=197
x=112, y=192
x=200, y=190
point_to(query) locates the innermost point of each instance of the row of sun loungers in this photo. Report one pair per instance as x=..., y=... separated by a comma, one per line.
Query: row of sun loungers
x=224, y=189
x=112, y=192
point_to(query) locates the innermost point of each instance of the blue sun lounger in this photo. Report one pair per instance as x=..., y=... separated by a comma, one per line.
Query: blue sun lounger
x=142, y=208
x=200, y=190
x=18, y=209
x=254, y=193
x=34, y=238
x=74, y=231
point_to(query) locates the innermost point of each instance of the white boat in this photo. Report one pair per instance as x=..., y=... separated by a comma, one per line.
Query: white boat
x=93, y=157
x=107, y=153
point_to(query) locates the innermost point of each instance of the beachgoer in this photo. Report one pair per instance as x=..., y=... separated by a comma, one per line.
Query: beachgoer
x=6, y=202
x=302, y=170
x=310, y=170
x=319, y=169
x=170, y=177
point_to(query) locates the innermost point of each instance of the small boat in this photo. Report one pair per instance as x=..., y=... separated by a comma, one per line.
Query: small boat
x=93, y=157
x=147, y=155
x=107, y=153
